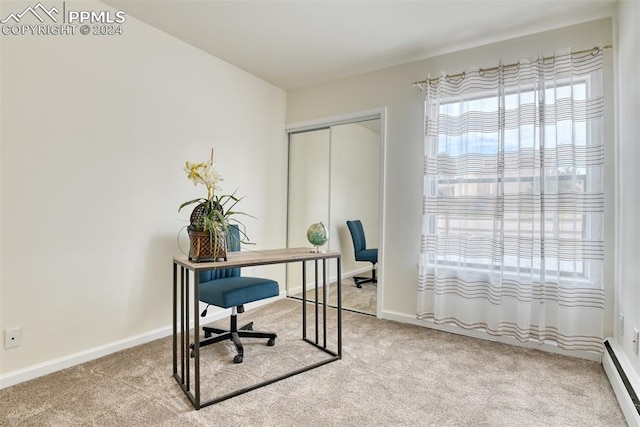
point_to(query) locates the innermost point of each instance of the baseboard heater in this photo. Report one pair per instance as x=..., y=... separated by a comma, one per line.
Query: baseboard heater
x=629, y=403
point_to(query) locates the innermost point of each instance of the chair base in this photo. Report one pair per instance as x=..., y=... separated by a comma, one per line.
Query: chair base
x=234, y=334
x=360, y=280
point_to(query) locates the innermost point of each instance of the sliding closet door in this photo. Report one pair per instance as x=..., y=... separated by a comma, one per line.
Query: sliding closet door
x=334, y=176
x=309, y=159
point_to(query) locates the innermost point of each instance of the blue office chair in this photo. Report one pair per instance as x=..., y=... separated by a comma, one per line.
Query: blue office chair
x=227, y=289
x=361, y=252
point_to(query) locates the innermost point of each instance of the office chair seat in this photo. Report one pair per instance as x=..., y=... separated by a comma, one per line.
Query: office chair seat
x=235, y=291
x=370, y=255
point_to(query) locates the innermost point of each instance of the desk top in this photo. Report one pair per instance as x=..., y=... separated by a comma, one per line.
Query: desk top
x=261, y=257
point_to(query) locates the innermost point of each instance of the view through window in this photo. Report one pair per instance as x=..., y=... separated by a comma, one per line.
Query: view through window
x=502, y=191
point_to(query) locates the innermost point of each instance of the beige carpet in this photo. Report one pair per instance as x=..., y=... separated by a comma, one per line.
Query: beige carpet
x=391, y=374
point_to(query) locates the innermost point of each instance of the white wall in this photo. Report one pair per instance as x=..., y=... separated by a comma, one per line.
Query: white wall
x=392, y=88
x=95, y=131
x=628, y=177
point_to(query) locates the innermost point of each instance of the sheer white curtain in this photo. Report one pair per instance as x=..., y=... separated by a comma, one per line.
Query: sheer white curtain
x=513, y=212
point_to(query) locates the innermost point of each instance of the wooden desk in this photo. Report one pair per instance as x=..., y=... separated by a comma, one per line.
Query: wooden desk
x=181, y=299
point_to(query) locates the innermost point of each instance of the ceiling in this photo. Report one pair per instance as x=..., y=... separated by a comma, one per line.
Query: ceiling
x=303, y=42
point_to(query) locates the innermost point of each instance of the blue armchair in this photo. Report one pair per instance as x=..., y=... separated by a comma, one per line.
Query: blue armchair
x=362, y=253
x=227, y=289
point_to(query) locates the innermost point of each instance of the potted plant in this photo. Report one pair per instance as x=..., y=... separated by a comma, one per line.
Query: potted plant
x=210, y=219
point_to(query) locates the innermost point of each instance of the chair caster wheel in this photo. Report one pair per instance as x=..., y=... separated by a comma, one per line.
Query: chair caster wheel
x=271, y=342
x=237, y=359
x=358, y=285
x=207, y=334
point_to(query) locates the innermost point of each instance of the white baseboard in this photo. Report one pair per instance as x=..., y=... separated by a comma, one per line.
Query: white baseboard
x=25, y=374
x=626, y=404
x=31, y=372
x=475, y=333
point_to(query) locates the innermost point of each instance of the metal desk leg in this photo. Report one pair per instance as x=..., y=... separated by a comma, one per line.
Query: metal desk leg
x=175, y=319
x=316, y=297
x=324, y=303
x=339, y=282
x=196, y=337
x=304, y=300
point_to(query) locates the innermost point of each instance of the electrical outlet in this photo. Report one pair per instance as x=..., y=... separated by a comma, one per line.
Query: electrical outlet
x=636, y=340
x=621, y=324
x=12, y=337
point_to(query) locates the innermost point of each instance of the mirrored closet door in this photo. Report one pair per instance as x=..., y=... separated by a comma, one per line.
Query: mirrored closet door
x=334, y=176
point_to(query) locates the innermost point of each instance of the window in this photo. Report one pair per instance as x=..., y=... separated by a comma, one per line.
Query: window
x=511, y=195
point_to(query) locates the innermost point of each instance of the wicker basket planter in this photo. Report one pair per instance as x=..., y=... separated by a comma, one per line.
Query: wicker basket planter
x=207, y=246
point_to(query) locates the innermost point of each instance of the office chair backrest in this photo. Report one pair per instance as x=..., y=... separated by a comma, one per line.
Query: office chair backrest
x=233, y=245
x=357, y=235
